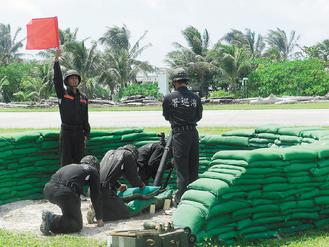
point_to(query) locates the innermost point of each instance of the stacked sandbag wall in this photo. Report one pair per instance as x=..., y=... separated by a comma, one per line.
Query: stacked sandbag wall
x=261, y=193
x=28, y=159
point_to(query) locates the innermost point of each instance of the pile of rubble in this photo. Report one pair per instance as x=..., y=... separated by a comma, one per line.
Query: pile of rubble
x=272, y=99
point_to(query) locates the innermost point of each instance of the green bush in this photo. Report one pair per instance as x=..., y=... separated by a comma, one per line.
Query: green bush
x=299, y=77
x=220, y=94
x=146, y=89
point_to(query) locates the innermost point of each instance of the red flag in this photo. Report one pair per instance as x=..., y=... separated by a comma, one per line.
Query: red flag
x=42, y=33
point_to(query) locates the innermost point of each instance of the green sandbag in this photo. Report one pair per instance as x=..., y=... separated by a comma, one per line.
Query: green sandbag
x=267, y=220
x=26, y=136
x=266, y=215
x=218, y=231
x=240, y=132
x=269, y=163
x=320, y=171
x=233, y=168
x=321, y=223
x=142, y=143
x=323, y=163
x=206, y=198
x=217, y=187
x=96, y=133
x=137, y=193
x=127, y=131
x=234, y=195
x=290, y=139
x=136, y=206
x=263, y=170
x=297, y=131
x=266, y=208
x=244, y=188
x=299, y=153
x=259, y=141
x=218, y=222
x=227, y=178
x=108, y=138
x=138, y=136
x=250, y=156
x=29, y=159
x=268, y=129
x=322, y=200
x=299, y=166
x=278, y=187
x=226, y=207
x=6, y=154
x=304, y=215
x=229, y=162
x=213, y=170
x=50, y=144
x=27, y=151
x=253, y=229
x=190, y=216
x=308, y=140
x=226, y=140
x=261, y=235
x=267, y=136
x=315, y=134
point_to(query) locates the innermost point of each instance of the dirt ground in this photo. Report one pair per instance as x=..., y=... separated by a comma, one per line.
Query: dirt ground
x=25, y=216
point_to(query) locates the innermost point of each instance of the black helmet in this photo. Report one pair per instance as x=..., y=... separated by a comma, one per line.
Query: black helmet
x=179, y=74
x=91, y=160
x=132, y=149
x=69, y=73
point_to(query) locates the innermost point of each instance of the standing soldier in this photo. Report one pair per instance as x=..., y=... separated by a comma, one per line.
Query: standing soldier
x=183, y=109
x=73, y=107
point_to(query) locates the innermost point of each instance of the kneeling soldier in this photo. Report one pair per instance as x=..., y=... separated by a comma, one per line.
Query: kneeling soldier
x=64, y=189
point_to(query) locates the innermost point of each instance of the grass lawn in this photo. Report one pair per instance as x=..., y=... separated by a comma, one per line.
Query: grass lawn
x=92, y=108
x=10, y=238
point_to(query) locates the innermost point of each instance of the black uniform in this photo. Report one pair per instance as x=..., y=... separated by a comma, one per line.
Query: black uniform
x=148, y=161
x=74, y=115
x=65, y=188
x=114, y=165
x=183, y=109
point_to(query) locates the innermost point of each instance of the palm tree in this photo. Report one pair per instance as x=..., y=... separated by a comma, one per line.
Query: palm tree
x=234, y=63
x=9, y=45
x=120, y=64
x=320, y=51
x=194, y=58
x=77, y=56
x=281, y=47
x=254, y=43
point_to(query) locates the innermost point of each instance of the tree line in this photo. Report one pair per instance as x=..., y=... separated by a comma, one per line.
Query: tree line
x=239, y=64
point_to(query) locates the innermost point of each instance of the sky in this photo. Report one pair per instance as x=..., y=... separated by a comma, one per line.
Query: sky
x=165, y=19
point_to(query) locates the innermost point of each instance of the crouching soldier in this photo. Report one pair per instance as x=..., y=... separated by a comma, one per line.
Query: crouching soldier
x=114, y=165
x=148, y=161
x=64, y=189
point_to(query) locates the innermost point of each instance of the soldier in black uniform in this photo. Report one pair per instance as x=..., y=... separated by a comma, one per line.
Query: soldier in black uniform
x=64, y=189
x=183, y=109
x=73, y=107
x=148, y=161
x=114, y=165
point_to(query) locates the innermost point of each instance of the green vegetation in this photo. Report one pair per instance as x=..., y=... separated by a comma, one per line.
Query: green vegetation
x=146, y=89
x=10, y=238
x=239, y=64
x=299, y=77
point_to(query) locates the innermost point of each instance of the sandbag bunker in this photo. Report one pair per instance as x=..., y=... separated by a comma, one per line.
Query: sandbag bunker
x=258, y=184
x=28, y=159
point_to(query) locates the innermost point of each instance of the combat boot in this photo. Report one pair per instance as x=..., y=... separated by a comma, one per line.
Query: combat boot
x=47, y=219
